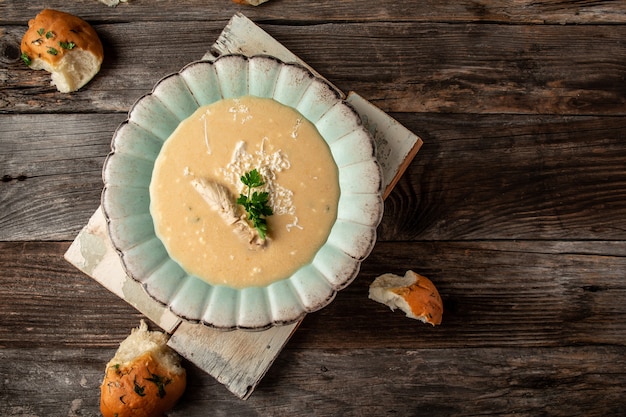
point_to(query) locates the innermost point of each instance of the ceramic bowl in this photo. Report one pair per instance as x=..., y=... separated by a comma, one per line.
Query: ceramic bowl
x=128, y=169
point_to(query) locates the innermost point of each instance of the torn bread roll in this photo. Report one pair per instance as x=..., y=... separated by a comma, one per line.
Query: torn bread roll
x=414, y=294
x=145, y=377
x=64, y=45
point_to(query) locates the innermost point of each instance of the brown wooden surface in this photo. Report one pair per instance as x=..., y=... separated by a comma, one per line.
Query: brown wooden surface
x=515, y=207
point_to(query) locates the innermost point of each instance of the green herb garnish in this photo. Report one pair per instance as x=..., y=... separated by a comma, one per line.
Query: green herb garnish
x=67, y=45
x=49, y=34
x=52, y=51
x=26, y=59
x=139, y=389
x=160, y=382
x=256, y=203
x=41, y=31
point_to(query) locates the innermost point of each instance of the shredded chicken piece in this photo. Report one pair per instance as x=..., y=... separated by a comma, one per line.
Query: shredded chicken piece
x=221, y=201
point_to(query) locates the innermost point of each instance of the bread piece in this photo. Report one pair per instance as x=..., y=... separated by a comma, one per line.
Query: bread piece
x=145, y=377
x=64, y=45
x=414, y=294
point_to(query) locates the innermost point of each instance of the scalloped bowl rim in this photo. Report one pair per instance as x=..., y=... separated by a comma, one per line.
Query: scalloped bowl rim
x=294, y=292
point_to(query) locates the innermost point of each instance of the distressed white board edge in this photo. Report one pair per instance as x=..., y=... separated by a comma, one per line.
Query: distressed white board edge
x=92, y=253
x=237, y=359
x=243, y=36
x=396, y=146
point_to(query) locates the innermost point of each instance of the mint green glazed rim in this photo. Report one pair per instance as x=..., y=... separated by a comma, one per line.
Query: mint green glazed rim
x=126, y=201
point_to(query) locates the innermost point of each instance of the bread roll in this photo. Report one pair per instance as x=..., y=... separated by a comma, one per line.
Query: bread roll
x=64, y=45
x=414, y=294
x=145, y=377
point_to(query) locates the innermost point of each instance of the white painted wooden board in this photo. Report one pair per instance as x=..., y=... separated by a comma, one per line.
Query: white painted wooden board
x=238, y=359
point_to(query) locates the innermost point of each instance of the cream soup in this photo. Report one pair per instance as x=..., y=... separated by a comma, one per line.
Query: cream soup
x=197, y=179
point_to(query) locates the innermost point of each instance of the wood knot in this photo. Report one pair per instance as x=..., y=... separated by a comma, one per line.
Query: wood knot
x=9, y=178
x=9, y=52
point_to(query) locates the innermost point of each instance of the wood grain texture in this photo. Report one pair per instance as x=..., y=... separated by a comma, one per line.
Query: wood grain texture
x=375, y=382
x=51, y=173
x=475, y=177
x=508, y=177
x=312, y=11
x=496, y=293
x=417, y=67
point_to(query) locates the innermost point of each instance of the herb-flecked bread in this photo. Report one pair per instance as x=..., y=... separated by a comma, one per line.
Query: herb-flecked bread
x=145, y=377
x=64, y=45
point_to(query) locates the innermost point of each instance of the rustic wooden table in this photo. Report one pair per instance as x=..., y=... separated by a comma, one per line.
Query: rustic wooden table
x=515, y=207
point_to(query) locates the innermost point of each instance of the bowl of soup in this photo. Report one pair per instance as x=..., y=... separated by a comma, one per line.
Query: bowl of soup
x=242, y=193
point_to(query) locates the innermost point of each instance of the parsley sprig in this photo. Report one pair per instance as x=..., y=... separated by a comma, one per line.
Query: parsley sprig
x=160, y=382
x=67, y=45
x=256, y=203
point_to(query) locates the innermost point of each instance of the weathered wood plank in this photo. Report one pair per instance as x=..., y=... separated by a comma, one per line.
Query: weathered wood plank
x=534, y=177
x=50, y=173
x=454, y=382
x=472, y=68
x=507, y=177
x=312, y=11
x=529, y=382
x=47, y=302
x=400, y=67
x=540, y=293
x=495, y=293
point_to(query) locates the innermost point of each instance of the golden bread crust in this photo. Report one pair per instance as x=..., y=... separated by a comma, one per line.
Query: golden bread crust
x=52, y=34
x=423, y=298
x=412, y=293
x=140, y=388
